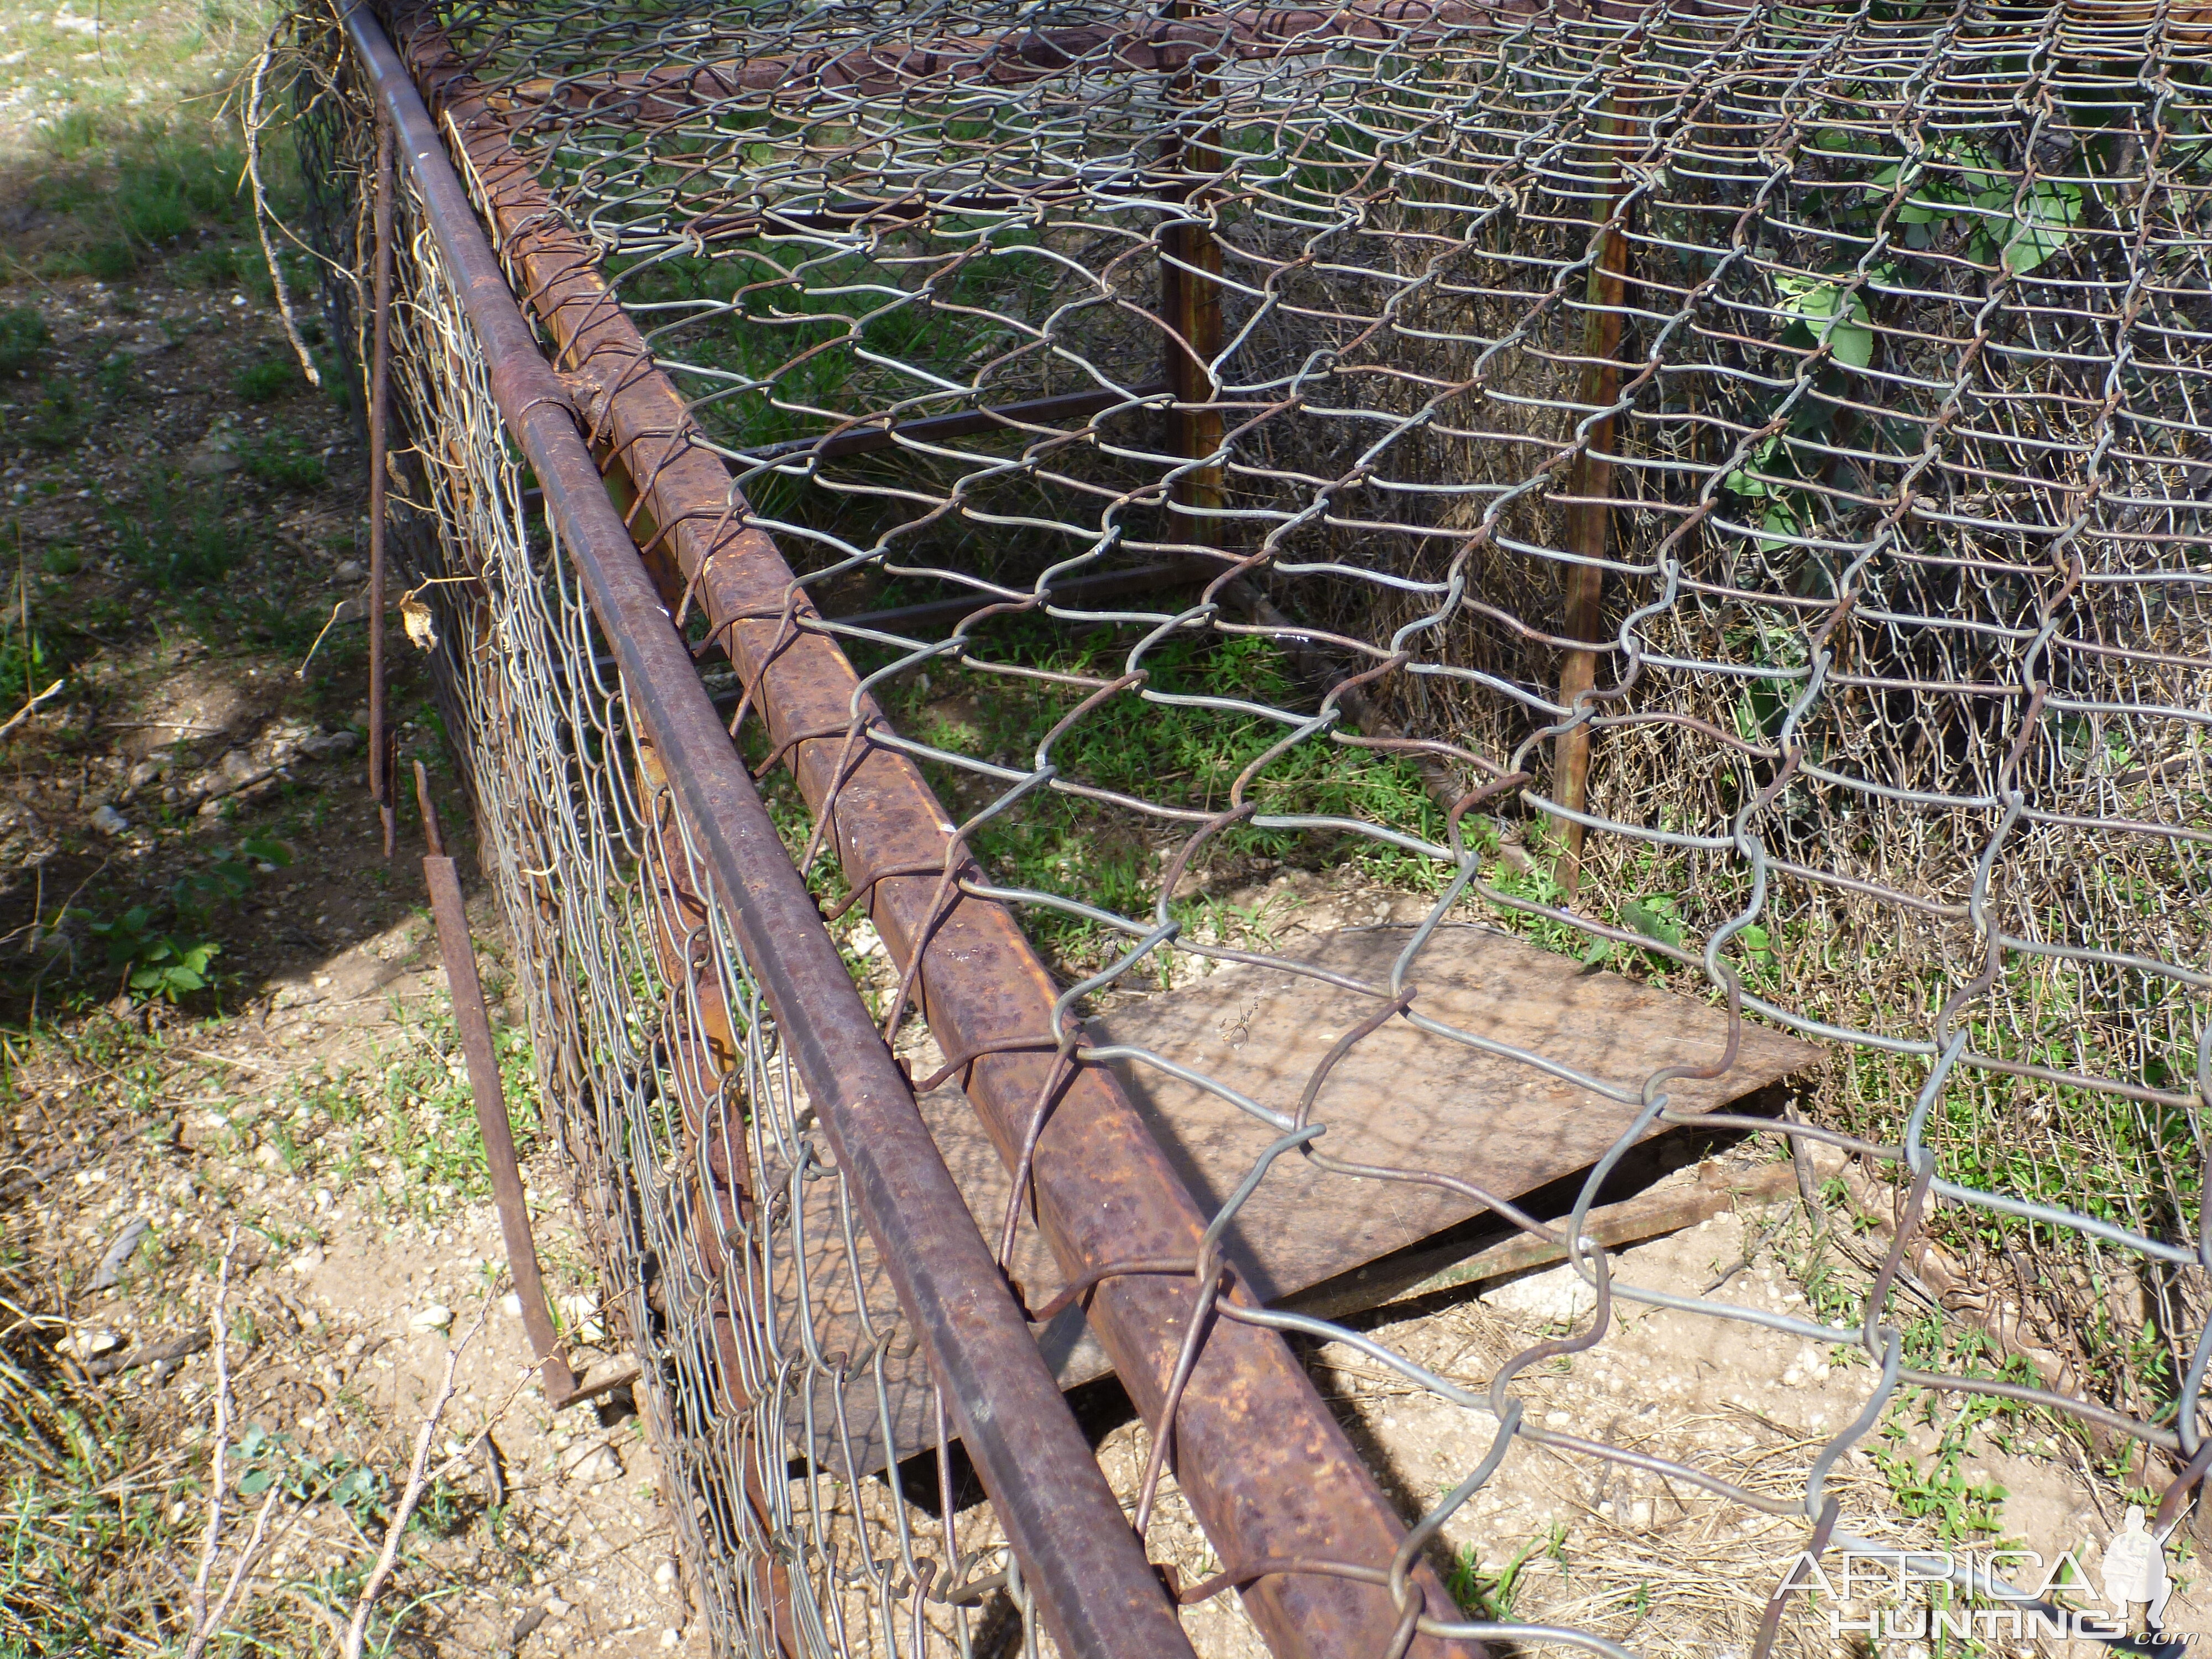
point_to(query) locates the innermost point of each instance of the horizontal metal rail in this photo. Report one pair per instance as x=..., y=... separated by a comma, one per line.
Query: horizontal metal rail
x=1026, y=54
x=861, y=440
x=1271, y=1476
x=1096, y=1593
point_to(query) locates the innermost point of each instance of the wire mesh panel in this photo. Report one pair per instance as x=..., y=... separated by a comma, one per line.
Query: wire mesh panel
x=726, y=1237
x=1709, y=489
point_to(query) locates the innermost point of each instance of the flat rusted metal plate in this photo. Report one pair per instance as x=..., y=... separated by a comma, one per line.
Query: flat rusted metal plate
x=1402, y=1098
x=1405, y=1098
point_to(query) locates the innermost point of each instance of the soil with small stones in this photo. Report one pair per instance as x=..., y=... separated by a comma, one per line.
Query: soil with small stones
x=198, y=779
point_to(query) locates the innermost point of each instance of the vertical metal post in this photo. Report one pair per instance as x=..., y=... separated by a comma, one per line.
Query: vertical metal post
x=474, y=1028
x=1589, y=515
x=379, y=411
x=1190, y=303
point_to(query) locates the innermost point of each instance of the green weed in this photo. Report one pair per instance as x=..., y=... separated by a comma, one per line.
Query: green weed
x=28, y=666
x=23, y=335
x=429, y=1119
x=177, y=542
x=272, y=377
x=167, y=958
x=156, y=965
x=71, y=1511
x=55, y=420
x=1491, y=1595
x=283, y=460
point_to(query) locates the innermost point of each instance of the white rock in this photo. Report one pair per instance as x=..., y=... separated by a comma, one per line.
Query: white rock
x=670, y=1638
x=109, y=822
x=511, y=1306
x=307, y=1261
x=581, y=1314
x=323, y=1199
x=595, y=1467
x=1560, y=1296
x=435, y=1317
x=664, y=1576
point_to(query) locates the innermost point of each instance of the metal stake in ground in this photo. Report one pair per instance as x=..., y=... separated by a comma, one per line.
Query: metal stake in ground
x=379, y=414
x=1590, y=512
x=1190, y=305
x=474, y=1029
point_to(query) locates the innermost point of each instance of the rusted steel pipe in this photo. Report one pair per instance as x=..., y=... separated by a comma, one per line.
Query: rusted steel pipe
x=1096, y=1593
x=1259, y=1455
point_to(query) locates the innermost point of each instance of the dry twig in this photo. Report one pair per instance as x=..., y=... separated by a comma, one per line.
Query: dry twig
x=419, y=1475
x=196, y=1640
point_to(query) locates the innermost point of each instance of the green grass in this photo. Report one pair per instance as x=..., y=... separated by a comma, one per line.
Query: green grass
x=51, y=419
x=23, y=335
x=178, y=538
x=271, y=378
x=282, y=460
x=74, y=1505
x=1185, y=756
x=1483, y=1595
x=164, y=191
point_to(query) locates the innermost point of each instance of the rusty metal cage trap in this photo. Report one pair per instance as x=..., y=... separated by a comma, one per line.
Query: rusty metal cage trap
x=1278, y=505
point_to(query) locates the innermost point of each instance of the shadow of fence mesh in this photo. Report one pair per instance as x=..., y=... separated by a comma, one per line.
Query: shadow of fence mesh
x=1713, y=490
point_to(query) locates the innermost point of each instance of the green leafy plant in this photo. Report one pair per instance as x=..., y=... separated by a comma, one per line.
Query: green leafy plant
x=2016, y=228
x=155, y=963
x=268, y=1459
x=27, y=667
x=168, y=961
x=228, y=879
x=1825, y=310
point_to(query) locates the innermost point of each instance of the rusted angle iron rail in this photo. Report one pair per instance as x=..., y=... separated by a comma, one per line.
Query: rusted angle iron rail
x=1096, y=1593
x=1257, y=1452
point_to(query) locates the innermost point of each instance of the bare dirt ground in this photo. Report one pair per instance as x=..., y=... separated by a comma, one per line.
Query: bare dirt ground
x=229, y=1063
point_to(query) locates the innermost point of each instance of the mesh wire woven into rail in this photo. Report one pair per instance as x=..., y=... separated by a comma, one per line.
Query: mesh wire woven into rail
x=1710, y=485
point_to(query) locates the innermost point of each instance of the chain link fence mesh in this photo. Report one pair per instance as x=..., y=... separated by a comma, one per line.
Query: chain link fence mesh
x=725, y=1238
x=1712, y=489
